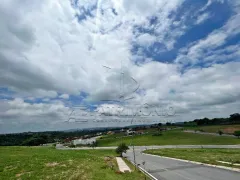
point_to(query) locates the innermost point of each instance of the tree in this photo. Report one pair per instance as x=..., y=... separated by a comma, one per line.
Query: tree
x=159, y=126
x=122, y=148
x=168, y=124
x=236, y=133
x=220, y=132
x=234, y=118
x=34, y=141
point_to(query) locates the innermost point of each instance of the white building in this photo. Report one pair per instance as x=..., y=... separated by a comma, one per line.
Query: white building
x=84, y=141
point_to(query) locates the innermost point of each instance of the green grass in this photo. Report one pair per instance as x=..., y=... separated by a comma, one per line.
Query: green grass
x=209, y=156
x=48, y=163
x=228, y=129
x=172, y=137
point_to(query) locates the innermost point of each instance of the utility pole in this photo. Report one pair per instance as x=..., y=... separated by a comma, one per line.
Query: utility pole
x=134, y=156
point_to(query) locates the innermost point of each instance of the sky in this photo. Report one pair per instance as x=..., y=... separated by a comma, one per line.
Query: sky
x=67, y=64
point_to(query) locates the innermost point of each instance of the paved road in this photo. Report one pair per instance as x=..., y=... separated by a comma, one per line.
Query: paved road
x=168, y=169
x=142, y=148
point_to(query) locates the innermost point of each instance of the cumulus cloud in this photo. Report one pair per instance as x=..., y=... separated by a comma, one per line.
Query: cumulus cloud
x=64, y=96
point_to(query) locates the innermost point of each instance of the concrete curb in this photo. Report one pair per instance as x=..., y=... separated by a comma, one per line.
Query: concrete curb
x=144, y=171
x=194, y=162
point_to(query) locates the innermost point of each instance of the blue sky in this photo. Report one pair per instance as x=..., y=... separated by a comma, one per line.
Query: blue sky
x=105, y=54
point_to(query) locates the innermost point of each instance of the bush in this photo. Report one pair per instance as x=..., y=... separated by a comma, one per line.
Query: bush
x=236, y=133
x=122, y=148
x=220, y=132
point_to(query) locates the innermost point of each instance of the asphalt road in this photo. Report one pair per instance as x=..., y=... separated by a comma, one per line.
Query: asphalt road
x=169, y=169
x=142, y=148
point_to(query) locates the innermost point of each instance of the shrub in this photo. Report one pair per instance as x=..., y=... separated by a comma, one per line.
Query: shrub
x=220, y=132
x=236, y=133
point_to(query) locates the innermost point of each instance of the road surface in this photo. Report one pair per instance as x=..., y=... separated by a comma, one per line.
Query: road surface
x=169, y=169
x=142, y=148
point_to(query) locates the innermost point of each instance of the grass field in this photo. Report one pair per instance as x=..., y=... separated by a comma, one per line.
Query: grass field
x=48, y=163
x=209, y=156
x=227, y=129
x=172, y=137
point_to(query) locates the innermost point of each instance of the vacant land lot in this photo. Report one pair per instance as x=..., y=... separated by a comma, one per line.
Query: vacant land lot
x=172, y=137
x=227, y=157
x=48, y=163
x=227, y=129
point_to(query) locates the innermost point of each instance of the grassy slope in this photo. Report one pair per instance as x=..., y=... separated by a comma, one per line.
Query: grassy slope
x=172, y=137
x=48, y=163
x=210, y=156
x=229, y=129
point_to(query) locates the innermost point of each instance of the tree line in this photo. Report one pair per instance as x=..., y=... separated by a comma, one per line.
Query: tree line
x=232, y=119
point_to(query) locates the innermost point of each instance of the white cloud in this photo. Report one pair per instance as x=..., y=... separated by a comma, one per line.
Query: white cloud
x=210, y=2
x=145, y=39
x=64, y=96
x=18, y=108
x=202, y=18
x=197, y=51
x=53, y=55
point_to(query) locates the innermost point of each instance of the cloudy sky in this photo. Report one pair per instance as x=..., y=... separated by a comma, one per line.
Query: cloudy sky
x=107, y=55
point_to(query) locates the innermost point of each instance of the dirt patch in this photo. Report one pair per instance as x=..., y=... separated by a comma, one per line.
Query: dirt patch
x=22, y=173
x=107, y=158
x=53, y=164
x=230, y=130
x=19, y=174
x=9, y=168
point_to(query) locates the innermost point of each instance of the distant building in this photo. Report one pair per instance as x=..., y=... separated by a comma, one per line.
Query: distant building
x=110, y=132
x=130, y=132
x=84, y=141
